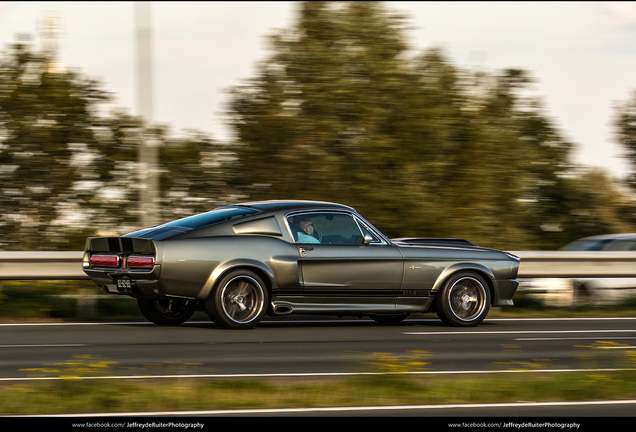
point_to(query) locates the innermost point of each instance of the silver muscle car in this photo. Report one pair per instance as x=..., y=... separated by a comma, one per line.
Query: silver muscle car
x=241, y=262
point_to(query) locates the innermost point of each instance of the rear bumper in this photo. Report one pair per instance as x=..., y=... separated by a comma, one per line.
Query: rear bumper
x=137, y=284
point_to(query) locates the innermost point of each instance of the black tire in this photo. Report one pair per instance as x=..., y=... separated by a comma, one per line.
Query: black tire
x=389, y=319
x=464, y=300
x=239, y=300
x=581, y=294
x=168, y=311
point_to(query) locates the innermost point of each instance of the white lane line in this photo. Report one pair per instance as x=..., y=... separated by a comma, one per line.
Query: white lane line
x=51, y=324
x=43, y=346
x=309, y=374
x=563, y=319
x=347, y=409
x=477, y=332
x=572, y=338
x=35, y=324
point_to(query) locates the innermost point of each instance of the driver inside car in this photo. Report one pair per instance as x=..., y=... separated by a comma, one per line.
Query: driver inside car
x=306, y=231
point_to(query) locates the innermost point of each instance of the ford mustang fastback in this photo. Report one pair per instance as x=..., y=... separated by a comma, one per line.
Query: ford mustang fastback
x=241, y=262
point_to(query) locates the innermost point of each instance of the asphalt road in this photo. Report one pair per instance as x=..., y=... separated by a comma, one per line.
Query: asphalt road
x=314, y=348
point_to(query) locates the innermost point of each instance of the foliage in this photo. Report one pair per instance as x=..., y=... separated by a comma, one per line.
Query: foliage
x=68, y=170
x=194, y=173
x=42, y=116
x=73, y=396
x=625, y=124
x=344, y=111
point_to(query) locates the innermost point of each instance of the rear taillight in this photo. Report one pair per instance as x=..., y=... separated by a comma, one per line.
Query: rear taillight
x=104, y=261
x=141, y=261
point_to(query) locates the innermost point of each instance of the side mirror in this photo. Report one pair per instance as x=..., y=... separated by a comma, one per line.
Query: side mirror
x=367, y=239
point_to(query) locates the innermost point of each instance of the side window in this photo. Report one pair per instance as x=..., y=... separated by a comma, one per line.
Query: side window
x=325, y=228
x=621, y=245
x=367, y=231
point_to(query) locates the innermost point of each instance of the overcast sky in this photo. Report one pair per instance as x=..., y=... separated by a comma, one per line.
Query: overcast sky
x=583, y=54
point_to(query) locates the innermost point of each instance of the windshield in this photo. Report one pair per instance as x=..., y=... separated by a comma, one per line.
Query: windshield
x=587, y=245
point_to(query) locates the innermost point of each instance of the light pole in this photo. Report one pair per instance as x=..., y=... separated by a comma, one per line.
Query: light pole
x=51, y=28
x=147, y=156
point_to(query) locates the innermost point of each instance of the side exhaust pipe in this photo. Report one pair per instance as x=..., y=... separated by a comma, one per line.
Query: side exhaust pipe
x=283, y=309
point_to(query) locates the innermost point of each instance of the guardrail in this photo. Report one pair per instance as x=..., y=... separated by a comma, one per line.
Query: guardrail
x=573, y=264
x=41, y=266
x=534, y=264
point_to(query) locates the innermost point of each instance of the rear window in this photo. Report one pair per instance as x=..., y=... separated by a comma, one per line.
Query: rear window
x=211, y=218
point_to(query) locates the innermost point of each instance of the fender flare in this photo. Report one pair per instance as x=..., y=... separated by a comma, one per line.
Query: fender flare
x=224, y=267
x=466, y=266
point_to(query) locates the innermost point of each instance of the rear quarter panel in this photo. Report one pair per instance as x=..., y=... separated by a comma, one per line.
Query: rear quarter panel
x=191, y=267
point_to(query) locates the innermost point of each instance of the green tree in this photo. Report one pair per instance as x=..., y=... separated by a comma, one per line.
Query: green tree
x=195, y=173
x=344, y=111
x=625, y=126
x=42, y=117
x=597, y=204
x=322, y=103
x=67, y=172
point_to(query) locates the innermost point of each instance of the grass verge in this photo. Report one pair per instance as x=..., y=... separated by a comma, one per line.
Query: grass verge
x=385, y=379
x=74, y=396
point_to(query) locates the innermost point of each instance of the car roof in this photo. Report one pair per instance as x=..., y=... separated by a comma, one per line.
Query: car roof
x=288, y=205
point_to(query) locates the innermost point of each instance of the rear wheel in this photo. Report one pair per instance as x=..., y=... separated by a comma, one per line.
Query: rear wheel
x=239, y=300
x=464, y=300
x=168, y=311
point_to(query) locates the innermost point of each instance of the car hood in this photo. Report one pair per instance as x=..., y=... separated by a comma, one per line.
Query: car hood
x=432, y=241
x=450, y=244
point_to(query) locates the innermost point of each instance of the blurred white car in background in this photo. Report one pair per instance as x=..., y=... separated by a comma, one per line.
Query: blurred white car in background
x=582, y=291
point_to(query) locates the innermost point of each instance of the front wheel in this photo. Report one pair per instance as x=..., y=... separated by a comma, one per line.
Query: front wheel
x=239, y=300
x=464, y=300
x=168, y=311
